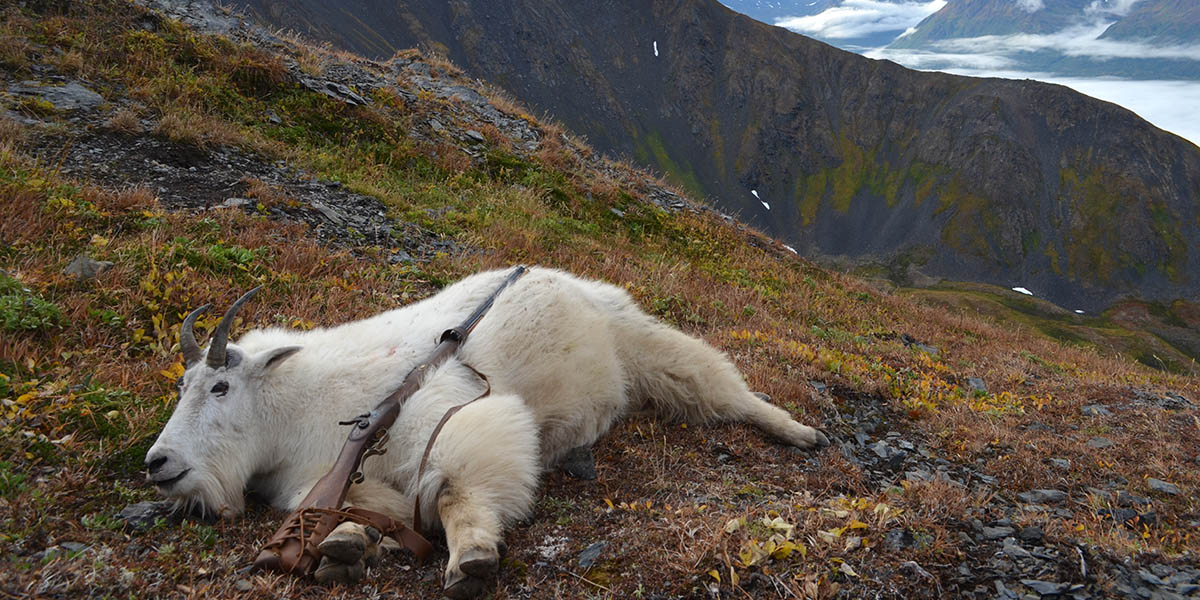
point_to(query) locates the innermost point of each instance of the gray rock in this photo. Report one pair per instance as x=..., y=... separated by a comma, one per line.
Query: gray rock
x=436, y=125
x=881, y=449
x=68, y=97
x=144, y=514
x=1045, y=588
x=476, y=136
x=899, y=539
x=1014, y=550
x=977, y=385
x=580, y=463
x=997, y=533
x=1100, y=443
x=73, y=547
x=926, y=348
x=401, y=257
x=1043, y=496
x=84, y=268
x=616, y=211
x=1159, y=485
x=1031, y=534
x=243, y=585
x=1127, y=500
x=334, y=90
x=235, y=202
x=821, y=388
x=591, y=555
x=1095, y=410
x=1061, y=463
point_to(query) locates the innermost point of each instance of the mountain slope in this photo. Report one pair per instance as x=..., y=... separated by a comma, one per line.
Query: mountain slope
x=1010, y=182
x=191, y=167
x=1168, y=21
x=973, y=18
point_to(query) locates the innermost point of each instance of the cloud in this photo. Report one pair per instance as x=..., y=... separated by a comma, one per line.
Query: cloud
x=1080, y=40
x=1168, y=105
x=859, y=18
x=1030, y=6
x=1119, y=8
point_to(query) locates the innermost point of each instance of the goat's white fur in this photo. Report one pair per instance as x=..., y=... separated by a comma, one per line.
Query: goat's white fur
x=565, y=358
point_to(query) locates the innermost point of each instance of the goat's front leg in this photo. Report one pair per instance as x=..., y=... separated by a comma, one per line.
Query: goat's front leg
x=351, y=547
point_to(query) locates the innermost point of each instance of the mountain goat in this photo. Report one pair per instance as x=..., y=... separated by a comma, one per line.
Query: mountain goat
x=565, y=358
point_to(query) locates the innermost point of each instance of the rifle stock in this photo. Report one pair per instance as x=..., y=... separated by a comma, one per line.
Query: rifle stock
x=293, y=548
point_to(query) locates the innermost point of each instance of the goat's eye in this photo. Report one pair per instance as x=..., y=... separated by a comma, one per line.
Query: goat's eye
x=220, y=388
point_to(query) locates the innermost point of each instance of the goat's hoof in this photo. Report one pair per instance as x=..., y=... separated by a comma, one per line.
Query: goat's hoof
x=332, y=571
x=480, y=562
x=461, y=586
x=347, y=543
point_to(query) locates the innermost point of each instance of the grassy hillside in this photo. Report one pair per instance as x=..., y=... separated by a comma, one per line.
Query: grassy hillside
x=211, y=166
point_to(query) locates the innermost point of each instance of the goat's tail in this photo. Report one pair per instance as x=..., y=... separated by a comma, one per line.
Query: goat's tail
x=683, y=378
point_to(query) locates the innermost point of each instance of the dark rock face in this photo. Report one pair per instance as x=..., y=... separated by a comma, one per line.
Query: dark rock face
x=1001, y=181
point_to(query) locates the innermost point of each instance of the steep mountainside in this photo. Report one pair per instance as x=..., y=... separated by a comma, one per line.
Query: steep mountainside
x=1173, y=21
x=972, y=18
x=1011, y=182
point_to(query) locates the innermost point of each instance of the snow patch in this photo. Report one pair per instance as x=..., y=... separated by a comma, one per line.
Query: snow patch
x=791, y=249
x=1022, y=290
x=656, y=47
x=765, y=205
x=1078, y=312
x=755, y=192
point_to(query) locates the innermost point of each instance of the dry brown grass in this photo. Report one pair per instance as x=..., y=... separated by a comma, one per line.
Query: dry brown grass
x=126, y=121
x=184, y=126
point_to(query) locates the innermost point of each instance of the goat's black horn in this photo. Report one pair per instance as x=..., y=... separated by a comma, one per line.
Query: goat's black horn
x=187, y=337
x=216, y=350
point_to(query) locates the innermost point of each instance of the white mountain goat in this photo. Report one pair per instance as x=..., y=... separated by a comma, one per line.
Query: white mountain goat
x=565, y=357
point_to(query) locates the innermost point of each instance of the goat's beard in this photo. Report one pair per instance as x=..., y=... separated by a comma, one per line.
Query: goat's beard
x=212, y=494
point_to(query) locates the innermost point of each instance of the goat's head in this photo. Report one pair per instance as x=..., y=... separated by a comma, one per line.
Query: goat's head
x=209, y=448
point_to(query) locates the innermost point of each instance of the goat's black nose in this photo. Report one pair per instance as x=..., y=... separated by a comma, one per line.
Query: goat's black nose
x=153, y=465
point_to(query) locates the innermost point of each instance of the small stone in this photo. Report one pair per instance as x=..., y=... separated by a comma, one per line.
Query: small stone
x=71, y=96
x=1159, y=485
x=1095, y=410
x=436, y=125
x=1125, y=516
x=616, y=211
x=1031, y=534
x=1100, y=443
x=401, y=257
x=476, y=136
x=997, y=533
x=580, y=463
x=977, y=385
x=1045, y=588
x=1126, y=499
x=243, y=585
x=861, y=437
x=899, y=539
x=144, y=514
x=821, y=388
x=930, y=350
x=1061, y=463
x=881, y=449
x=1013, y=550
x=73, y=547
x=1151, y=578
x=84, y=268
x=591, y=555
x=1042, y=496
x=235, y=202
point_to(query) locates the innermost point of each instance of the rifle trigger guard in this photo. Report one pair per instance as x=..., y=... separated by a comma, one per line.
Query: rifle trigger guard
x=379, y=446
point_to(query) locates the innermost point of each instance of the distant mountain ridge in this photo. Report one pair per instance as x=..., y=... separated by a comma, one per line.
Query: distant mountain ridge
x=1008, y=182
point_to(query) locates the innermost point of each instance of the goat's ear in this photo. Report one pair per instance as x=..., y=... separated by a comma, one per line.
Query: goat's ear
x=273, y=358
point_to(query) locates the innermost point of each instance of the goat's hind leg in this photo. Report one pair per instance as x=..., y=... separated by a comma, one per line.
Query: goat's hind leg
x=686, y=378
x=484, y=470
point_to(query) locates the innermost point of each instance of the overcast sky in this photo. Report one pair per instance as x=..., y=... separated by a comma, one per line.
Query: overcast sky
x=1168, y=104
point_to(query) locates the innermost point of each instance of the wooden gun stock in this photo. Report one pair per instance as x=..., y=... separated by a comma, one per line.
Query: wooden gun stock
x=293, y=548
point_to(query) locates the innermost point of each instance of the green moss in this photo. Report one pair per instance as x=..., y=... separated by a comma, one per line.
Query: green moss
x=650, y=149
x=970, y=222
x=809, y=193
